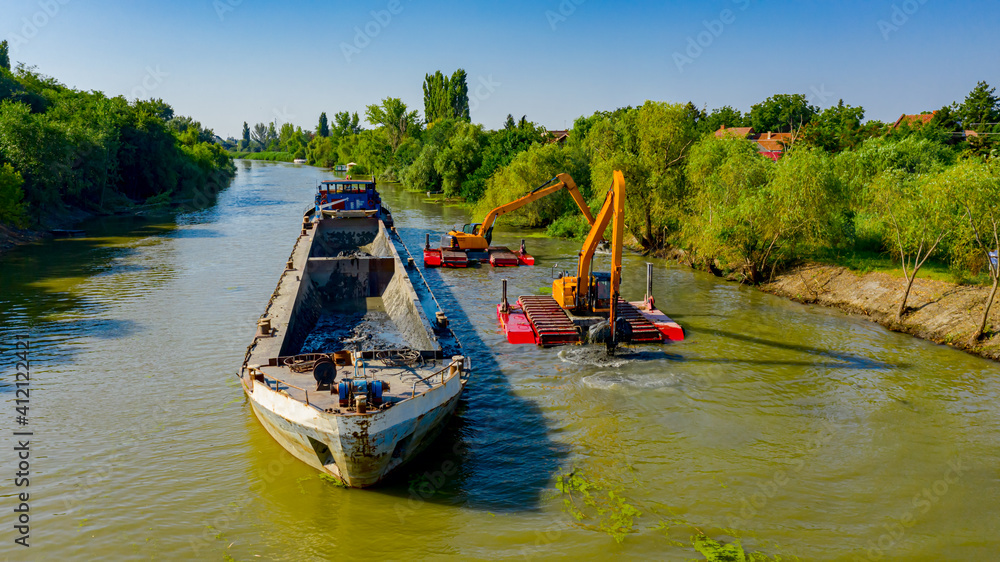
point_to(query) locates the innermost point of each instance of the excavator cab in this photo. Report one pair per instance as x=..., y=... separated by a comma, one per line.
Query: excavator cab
x=600, y=291
x=471, y=228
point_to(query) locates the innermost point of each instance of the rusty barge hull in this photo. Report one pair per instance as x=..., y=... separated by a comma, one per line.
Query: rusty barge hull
x=345, y=294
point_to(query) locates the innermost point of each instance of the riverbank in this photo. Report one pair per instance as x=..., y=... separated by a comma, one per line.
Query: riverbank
x=941, y=312
x=11, y=238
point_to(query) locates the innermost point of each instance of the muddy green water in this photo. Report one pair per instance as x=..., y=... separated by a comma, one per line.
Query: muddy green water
x=804, y=432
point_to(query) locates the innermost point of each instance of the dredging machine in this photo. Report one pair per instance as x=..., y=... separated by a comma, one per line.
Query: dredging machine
x=472, y=244
x=582, y=303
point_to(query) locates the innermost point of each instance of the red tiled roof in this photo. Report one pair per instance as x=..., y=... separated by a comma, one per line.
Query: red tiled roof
x=922, y=119
x=734, y=132
x=773, y=142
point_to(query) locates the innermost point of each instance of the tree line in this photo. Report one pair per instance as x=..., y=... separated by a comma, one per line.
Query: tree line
x=926, y=188
x=64, y=148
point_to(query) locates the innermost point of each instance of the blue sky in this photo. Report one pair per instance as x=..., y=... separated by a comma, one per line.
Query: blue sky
x=228, y=61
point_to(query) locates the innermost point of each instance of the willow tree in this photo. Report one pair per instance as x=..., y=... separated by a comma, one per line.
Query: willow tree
x=756, y=212
x=917, y=215
x=649, y=145
x=393, y=116
x=977, y=190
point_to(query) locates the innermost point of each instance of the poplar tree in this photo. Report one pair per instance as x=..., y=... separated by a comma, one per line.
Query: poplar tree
x=323, y=129
x=4, y=55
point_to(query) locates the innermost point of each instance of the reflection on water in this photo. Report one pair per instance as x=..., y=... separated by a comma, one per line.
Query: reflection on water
x=806, y=432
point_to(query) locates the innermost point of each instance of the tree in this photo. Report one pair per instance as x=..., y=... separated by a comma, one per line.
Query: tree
x=393, y=116
x=981, y=109
x=446, y=98
x=259, y=134
x=754, y=211
x=345, y=123
x=781, y=113
x=460, y=157
x=458, y=95
x=437, y=104
x=836, y=128
x=977, y=190
x=4, y=55
x=246, y=135
x=509, y=124
x=722, y=116
x=12, y=205
x=530, y=169
x=918, y=214
x=649, y=145
x=323, y=128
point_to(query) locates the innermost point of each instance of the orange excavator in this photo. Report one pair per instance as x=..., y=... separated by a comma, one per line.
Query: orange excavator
x=588, y=298
x=473, y=241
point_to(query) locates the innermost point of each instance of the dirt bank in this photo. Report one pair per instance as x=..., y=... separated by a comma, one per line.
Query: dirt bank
x=941, y=312
x=10, y=237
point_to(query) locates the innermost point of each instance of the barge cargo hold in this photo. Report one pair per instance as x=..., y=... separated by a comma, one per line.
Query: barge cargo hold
x=346, y=371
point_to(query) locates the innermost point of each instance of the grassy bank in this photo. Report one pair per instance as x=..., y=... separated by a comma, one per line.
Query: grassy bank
x=268, y=156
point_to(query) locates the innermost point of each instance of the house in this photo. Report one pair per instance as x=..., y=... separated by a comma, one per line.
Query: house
x=914, y=120
x=558, y=136
x=734, y=132
x=771, y=145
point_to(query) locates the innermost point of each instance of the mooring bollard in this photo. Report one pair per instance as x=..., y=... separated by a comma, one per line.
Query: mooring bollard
x=427, y=242
x=503, y=302
x=649, y=281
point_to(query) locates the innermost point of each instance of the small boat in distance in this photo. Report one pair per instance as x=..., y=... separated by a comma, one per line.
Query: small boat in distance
x=346, y=371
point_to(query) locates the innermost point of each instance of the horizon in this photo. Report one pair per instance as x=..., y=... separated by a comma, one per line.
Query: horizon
x=200, y=57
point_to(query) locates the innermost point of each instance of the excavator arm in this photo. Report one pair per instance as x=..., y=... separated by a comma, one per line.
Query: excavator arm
x=485, y=229
x=612, y=211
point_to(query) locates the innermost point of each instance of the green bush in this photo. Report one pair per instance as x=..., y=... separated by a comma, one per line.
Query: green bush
x=12, y=205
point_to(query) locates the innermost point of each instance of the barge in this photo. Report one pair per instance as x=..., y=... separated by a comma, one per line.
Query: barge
x=347, y=371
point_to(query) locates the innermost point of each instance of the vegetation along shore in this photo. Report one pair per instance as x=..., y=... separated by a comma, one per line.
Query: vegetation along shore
x=745, y=195
x=67, y=154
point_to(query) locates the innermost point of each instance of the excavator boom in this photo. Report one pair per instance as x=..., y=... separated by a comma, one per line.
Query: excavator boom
x=564, y=182
x=579, y=303
x=479, y=237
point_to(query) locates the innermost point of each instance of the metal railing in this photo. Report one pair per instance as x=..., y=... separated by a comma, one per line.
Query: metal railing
x=413, y=389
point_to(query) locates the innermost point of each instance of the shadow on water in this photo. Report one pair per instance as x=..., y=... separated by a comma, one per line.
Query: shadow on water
x=495, y=454
x=846, y=360
x=40, y=283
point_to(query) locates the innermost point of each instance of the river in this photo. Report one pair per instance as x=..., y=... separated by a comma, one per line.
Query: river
x=802, y=431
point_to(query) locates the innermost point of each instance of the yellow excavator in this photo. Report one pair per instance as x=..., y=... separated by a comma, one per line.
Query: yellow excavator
x=587, y=292
x=473, y=242
x=582, y=301
x=478, y=236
